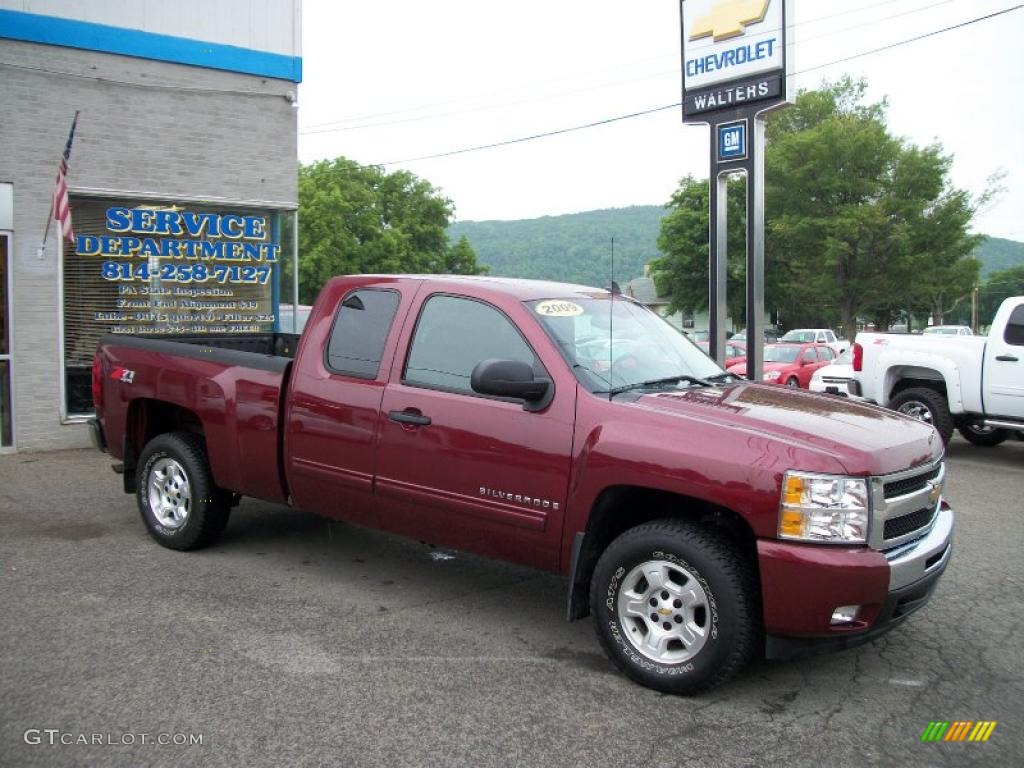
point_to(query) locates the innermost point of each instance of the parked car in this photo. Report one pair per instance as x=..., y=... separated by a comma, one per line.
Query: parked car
x=701, y=520
x=837, y=377
x=699, y=336
x=948, y=330
x=734, y=353
x=286, y=313
x=971, y=383
x=816, y=336
x=771, y=335
x=790, y=364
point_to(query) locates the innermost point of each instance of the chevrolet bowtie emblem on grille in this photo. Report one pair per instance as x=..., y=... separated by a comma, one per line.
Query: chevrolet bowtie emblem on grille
x=936, y=493
x=728, y=19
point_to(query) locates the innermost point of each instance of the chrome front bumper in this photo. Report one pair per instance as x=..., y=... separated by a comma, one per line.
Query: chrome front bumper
x=925, y=556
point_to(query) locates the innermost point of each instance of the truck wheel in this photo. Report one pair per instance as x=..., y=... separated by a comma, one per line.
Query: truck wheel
x=676, y=606
x=928, y=406
x=793, y=382
x=180, y=504
x=977, y=433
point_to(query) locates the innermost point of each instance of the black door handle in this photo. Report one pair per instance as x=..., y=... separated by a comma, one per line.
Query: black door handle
x=409, y=417
x=1006, y=358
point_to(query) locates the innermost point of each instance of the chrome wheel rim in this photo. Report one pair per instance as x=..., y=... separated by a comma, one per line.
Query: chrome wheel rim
x=664, y=611
x=916, y=410
x=793, y=383
x=170, y=495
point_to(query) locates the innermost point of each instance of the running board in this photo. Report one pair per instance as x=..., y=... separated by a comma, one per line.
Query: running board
x=1000, y=424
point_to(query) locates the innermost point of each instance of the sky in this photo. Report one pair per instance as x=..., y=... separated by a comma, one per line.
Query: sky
x=391, y=81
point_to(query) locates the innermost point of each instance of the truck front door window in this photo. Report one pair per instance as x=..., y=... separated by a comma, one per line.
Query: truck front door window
x=453, y=335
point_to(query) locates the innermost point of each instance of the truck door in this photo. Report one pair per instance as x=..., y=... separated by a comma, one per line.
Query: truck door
x=334, y=400
x=1004, y=367
x=466, y=470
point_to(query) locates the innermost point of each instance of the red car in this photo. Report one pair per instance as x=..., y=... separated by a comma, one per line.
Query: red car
x=789, y=364
x=735, y=354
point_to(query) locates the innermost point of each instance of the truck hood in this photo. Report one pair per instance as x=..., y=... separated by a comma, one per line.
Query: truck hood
x=862, y=438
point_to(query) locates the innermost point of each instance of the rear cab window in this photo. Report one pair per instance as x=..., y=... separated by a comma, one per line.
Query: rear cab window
x=360, y=331
x=1014, y=333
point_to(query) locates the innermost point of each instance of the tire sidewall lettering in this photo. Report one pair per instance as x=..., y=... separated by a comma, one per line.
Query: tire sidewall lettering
x=162, y=530
x=626, y=648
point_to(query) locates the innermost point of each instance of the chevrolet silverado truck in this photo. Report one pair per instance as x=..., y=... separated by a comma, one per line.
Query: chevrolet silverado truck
x=701, y=519
x=971, y=383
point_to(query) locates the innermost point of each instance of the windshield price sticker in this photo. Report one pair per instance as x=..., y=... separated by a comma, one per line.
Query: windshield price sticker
x=559, y=309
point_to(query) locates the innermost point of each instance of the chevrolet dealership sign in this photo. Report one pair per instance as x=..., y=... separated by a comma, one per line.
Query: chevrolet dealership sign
x=734, y=54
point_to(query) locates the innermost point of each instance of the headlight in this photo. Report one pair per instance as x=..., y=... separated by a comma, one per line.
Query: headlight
x=771, y=375
x=824, y=508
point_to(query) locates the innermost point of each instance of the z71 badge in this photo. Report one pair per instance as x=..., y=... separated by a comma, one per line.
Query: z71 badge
x=123, y=374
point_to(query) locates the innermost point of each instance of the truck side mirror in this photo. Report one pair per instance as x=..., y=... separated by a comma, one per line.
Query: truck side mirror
x=510, y=378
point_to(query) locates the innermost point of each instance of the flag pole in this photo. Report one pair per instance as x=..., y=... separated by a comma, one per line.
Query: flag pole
x=49, y=217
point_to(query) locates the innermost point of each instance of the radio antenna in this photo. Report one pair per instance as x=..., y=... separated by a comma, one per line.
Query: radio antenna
x=611, y=336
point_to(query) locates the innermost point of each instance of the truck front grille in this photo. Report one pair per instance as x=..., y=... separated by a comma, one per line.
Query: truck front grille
x=901, y=526
x=910, y=484
x=904, y=506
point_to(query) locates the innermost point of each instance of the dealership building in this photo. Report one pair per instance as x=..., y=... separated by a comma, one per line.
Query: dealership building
x=181, y=182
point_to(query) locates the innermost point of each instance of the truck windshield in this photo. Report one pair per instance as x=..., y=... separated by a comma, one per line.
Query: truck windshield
x=615, y=344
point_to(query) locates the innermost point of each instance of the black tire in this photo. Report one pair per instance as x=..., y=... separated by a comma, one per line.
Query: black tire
x=928, y=406
x=730, y=621
x=978, y=434
x=793, y=382
x=208, y=507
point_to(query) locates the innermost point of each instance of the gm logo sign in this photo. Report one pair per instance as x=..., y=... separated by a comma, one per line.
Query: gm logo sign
x=732, y=141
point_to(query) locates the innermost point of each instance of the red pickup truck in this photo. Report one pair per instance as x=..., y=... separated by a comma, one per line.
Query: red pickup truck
x=700, y=518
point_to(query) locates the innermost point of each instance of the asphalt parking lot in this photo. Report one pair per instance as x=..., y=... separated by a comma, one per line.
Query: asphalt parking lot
x=298, y=641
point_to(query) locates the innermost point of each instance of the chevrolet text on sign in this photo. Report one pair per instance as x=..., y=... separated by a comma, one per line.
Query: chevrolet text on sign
x=734, y=53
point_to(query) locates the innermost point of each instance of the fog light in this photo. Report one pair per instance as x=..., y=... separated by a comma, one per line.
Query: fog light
x=845, y=614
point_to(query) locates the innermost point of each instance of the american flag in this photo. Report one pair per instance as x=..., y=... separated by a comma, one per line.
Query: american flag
x=61, y=205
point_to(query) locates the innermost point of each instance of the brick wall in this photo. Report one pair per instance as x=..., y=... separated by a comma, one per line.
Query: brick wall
x=222, y=144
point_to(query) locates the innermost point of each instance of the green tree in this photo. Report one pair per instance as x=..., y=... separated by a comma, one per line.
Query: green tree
x=999, y=286
x=682, y=273
x=858, y=222
x=864, y=222
x=360, y=219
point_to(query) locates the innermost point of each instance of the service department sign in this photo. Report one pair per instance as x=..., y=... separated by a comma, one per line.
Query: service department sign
x=734, y=54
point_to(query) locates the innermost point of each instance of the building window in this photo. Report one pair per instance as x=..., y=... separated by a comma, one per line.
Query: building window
x=163, y=269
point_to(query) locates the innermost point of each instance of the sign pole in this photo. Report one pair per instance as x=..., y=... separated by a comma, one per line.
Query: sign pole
x=755, y=253
x=735, y=70
x=718, y=264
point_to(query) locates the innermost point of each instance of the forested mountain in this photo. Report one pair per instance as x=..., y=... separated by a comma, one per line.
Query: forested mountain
x=576, y=247
x=997, y=254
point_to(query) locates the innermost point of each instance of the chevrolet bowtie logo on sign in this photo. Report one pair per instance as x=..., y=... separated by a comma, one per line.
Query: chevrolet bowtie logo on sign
x=728, y=19
x=732, y=43
x=959, y=730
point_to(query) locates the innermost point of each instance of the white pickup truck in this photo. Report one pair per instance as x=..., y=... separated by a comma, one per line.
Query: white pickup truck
x=971, y=383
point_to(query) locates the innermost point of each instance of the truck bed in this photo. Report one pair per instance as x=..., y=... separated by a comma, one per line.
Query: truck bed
x=230, y=385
